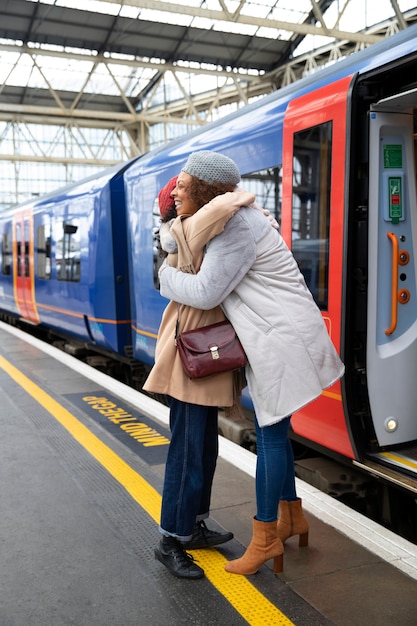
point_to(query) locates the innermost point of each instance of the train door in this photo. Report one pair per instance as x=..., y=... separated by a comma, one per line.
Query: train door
x=23, y=266
x=312, y=223
x=392, y=299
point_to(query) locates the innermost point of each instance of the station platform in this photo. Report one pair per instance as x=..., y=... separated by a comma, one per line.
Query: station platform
x=82, y=463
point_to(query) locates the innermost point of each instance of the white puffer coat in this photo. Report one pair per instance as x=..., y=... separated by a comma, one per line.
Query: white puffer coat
x=250, y=271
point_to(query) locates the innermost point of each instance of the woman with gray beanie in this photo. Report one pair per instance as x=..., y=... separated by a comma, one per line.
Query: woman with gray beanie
x=251, y=273
x=193, y=449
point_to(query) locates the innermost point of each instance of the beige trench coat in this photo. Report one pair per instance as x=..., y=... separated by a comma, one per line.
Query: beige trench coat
x=168, y=376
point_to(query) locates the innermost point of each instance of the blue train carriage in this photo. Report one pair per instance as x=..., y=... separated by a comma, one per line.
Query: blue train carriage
x=143, y=181
x=304, y=151
x=253, y=138
x=64, y=262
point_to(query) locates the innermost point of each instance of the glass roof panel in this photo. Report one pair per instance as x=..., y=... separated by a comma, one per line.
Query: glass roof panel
x=285, y=10
x=72, y=74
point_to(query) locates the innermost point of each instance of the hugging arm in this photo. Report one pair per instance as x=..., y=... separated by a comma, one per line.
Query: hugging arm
x=228, y=258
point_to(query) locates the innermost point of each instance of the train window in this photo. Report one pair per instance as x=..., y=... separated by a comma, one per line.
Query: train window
x=22, y=248
x=44, y=251
x=6, y=255
x=311, y=207
x=68, y=253
x=158, y=253
x=26, y=246
x=266, y=185
x=19, y=248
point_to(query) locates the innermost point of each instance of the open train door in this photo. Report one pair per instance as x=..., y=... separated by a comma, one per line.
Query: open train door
x=23, y=266
x=392, y=300
x=312, y=223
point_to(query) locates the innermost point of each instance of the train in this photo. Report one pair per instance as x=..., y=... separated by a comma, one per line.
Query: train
x=333, y=158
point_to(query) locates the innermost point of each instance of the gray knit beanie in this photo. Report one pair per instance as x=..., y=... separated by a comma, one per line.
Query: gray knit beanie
x=212, y=167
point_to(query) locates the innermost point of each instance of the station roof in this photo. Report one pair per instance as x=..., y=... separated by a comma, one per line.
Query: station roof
x=65, y=41
x=185, y=31
x=86, y=84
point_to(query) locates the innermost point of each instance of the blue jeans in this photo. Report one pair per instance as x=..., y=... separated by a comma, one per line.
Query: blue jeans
x=275, y=477
x=190, y=466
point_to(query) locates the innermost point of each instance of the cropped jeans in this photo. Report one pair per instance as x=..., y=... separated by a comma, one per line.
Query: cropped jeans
x=275, y=476
x=189, y=469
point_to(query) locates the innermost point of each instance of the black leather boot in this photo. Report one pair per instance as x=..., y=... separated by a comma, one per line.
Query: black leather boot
x=203, y=537
x=171, y=554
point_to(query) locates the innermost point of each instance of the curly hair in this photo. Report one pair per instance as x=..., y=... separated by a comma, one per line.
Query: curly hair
x=202, y=192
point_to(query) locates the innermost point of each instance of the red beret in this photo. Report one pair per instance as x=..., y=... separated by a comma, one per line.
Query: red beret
x=165, y=200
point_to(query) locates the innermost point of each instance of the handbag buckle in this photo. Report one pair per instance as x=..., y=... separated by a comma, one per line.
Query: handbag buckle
x=215, y=352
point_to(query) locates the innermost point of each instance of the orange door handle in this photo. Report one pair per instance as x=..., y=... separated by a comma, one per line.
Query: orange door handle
x=394, y=284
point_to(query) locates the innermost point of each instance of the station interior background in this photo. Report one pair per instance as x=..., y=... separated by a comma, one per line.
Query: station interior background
x=87, y=84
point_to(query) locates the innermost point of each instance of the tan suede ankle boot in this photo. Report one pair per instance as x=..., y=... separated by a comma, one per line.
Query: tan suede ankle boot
x=291, y=522
x=265, y=545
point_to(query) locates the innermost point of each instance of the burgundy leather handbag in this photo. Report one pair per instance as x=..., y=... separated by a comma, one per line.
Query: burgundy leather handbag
x=210, y=350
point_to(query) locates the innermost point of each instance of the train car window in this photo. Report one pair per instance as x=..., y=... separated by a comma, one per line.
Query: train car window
x=68, y=253
x=44, y=251
x=6, y=255
x=311, y=207
x=18, y=249
x=158, y=254
x=267, y=187
x=26, y=244
x=22, y=249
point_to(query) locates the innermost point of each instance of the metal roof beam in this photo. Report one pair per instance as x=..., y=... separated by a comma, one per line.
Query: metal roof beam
x=400, y=17
x=100, y=58
x=319, y=15
x=45, y=115
x=225, y=16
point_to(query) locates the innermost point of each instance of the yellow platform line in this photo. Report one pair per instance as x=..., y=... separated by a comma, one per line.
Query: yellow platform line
x=400, y=459
x=241, y=594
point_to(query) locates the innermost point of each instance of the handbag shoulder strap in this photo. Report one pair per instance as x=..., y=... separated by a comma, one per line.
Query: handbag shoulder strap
x=177, y=324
